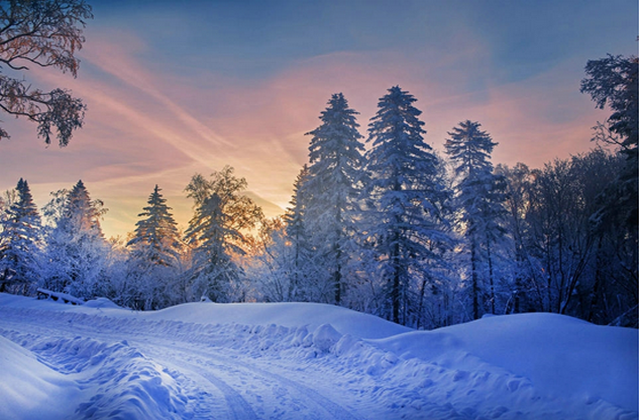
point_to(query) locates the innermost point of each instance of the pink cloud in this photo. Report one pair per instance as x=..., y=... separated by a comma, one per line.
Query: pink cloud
x=145, y=127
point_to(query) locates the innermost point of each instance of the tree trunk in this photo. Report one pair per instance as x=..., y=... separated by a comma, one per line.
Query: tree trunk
x=337, y=279
x=493, y=294
x=475, y=290
x=337, y=275
x=294, y=282
x=395, y=288
x=596, y=284
x=422, y=288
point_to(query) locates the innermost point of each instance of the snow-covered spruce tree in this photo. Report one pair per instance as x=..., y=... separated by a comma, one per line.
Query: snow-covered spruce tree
x=332, y=188
x=20, y=242
x=480, y=196
x=76, y=250
x=155, y=253
x=282, y=260
x=215, y=233
x=302, y=267
x=405, y=223
x=3, y=209
x=156, y=237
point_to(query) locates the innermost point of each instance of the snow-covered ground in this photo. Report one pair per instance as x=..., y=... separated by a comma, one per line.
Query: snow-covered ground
x=311, y=361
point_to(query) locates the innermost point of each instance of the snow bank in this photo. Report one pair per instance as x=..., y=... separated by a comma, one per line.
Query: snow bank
x=516, y=366
x=292, y=315
x=101, y=303
x=29, y=389
x=93, y=380
x=562, y=355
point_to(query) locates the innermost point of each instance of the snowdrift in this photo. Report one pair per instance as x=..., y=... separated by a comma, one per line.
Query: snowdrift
x=78, y=360
x=29, y=389
x=564, y=356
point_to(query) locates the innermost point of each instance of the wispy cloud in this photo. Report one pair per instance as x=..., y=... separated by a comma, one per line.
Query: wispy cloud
x=146, y=127
x=113, y=59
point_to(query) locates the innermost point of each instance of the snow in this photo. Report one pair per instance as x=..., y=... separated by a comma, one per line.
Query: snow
x=299, y=360
x=291, y=315
x=29, y=389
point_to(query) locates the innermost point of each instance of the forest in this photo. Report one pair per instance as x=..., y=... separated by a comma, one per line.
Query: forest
x=382, y=225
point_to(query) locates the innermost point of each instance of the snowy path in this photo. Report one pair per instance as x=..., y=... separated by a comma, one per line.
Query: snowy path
x=249, y=389
x=261, y=384
x=122, y=364
x=237, y=406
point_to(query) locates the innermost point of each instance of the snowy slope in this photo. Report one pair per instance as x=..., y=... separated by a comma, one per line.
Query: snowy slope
x=29, y=389
x=294, y=360
x=560, y=354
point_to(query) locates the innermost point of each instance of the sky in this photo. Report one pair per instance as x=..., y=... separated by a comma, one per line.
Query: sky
x=175, y=88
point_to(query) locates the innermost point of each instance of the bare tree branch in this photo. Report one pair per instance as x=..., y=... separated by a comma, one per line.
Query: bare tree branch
x=45, y=33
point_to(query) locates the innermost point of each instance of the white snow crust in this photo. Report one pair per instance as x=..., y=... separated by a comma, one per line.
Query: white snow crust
x=300, y=360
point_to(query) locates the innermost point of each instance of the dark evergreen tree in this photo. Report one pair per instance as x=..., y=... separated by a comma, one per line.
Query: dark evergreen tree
x=20, y=241
x=582, y=271
x=332, y=188
x=613, y=82
x=480, y=194
x=405, y=222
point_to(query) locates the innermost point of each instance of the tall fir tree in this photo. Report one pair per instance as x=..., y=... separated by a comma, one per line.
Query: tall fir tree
x=156, y=237
x=295, y=215
x=332, y=188
x=480, y=195
x=154, y=261
x=301, y=258
x=406, y=196
x=20, y=242
x=82, y=212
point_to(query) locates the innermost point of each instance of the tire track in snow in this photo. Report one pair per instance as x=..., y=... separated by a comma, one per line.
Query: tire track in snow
x=240, y=409
x=336, y=411
x=238, y=406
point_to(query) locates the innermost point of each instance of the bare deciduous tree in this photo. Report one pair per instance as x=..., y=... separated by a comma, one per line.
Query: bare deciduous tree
x=44, y=33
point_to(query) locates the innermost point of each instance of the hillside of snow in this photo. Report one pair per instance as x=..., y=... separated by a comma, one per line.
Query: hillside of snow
x=302, y=360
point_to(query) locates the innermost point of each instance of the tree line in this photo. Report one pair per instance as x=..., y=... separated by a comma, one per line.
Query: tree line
x=383, y=225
